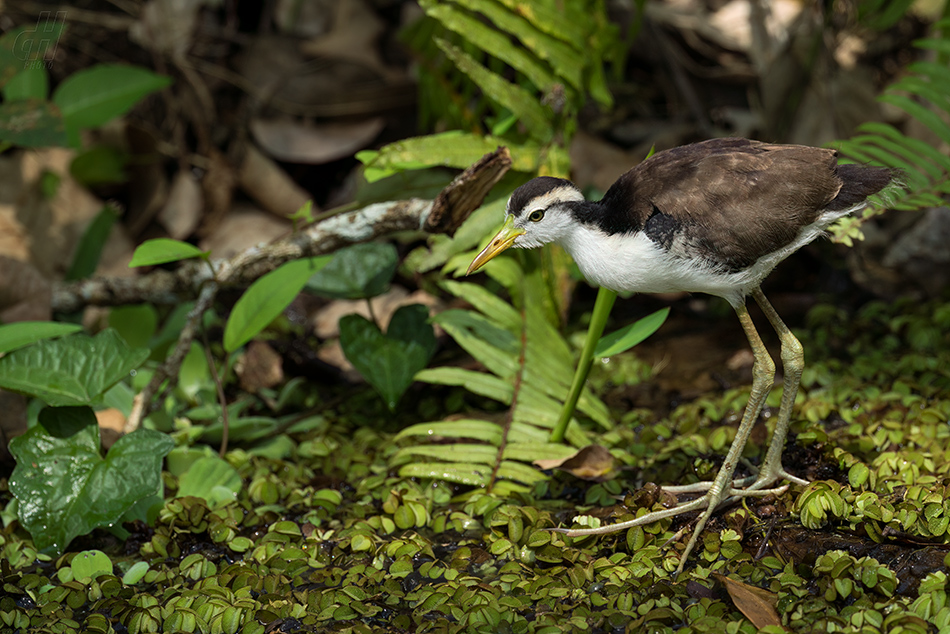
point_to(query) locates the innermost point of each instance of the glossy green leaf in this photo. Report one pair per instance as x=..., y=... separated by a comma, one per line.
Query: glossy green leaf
x=267, y=298
x=91, y=97
x=23, y=333
x=74, y=370
x=629, y=336
x=356, y=272
x=212, y=479
x=163, y=251
x=389, y=361
x=66, y=488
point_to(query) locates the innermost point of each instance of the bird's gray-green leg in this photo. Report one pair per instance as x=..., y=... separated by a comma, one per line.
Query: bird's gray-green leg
x=763, y=377
x=721, y=489
x=793, y=361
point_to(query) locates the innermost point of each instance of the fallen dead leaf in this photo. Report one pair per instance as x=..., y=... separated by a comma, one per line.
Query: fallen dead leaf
x=292, y=140
x=244, y=227
x=356, y=27
x=593, y=462
x=25, y=294
x=264, y=181
x=182, y=210
x=326, y=320
x=259, y=367
x=757, y=604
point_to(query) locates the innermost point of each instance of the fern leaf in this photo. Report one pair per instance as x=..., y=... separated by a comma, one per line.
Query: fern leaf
x=567, y=61
x=534, y=116
x=489, y=39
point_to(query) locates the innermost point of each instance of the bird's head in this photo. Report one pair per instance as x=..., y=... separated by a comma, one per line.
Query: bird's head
x=538, y=212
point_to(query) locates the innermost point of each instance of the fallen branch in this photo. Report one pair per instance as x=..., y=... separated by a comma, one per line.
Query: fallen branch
x=193, y=280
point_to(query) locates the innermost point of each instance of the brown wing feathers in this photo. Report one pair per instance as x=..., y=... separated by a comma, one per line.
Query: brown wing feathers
x=735, y=200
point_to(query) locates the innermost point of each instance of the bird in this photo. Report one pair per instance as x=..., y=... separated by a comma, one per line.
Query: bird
x=713, y=217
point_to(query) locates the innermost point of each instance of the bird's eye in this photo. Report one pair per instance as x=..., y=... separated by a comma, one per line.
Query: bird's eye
x=536, y=215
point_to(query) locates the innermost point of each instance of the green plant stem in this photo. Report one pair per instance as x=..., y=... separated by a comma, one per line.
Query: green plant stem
x=603, y=304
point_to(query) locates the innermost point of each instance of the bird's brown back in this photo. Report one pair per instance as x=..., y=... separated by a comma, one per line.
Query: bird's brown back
x=735, y=200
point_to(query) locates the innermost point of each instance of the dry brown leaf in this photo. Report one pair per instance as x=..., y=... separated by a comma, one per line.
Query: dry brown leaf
x=182, y=210
x=241, y=229
x=756, y=604
x=593, y=462
x=259, y=367
x=356, y=27
x=326, y=320
x=14, y=242
x=54, y=225
x=217, y=185
x=264, y=181
x=166, y=26
x=293, y=141
x=25, y=295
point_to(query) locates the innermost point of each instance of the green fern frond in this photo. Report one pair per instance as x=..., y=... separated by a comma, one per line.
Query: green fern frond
x=924, y=94
x=528, y=367
x=517, y=55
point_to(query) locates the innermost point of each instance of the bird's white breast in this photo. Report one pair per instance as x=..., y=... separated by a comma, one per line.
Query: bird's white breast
x=634, y=263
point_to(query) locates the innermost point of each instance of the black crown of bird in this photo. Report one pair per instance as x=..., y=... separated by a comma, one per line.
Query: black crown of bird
x=712, y=217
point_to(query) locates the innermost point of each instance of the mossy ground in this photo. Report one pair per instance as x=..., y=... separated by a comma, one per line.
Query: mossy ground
x=333, y=540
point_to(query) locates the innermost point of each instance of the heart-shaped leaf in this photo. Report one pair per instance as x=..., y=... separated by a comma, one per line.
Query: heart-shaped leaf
x=357, y=272
x=74, y=370
x=66, y=488
x=389, y=362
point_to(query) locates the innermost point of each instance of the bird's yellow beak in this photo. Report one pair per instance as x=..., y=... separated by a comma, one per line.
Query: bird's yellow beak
x=502, y=240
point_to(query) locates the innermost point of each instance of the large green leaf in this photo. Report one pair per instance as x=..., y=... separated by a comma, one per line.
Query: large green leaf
x=74, y=370
x=94, y=96
x=267, y=298
x=66, y=488
x=356, y=272
x=389, y=362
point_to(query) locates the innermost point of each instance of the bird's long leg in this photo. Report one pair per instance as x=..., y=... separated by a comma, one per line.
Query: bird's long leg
x=763, y=375
x=793, y=361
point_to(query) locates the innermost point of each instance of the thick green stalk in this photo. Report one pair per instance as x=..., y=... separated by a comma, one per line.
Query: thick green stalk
x=603, y=304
